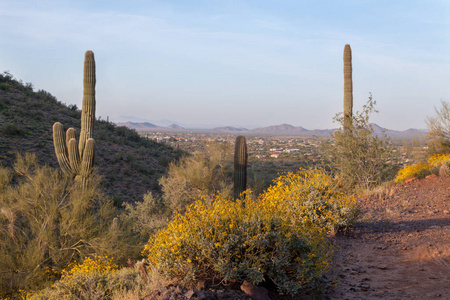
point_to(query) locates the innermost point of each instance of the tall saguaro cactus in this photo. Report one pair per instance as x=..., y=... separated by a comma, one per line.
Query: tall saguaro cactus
x=240, y=166
x=75, y=158
x=348, y=88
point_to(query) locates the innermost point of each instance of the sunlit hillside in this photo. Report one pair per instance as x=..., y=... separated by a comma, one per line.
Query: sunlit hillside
x=131, y=165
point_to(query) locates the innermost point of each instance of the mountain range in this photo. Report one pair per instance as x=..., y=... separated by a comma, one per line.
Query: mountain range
x=283, y=129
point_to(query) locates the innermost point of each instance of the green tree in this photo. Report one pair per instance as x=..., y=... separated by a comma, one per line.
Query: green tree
x=360, y=158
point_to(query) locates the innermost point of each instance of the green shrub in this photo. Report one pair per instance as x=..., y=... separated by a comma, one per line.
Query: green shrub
x=439, y=130
x=205, y=173
x=12, y=130
x=4, y=86
x=360, y=158
x=49, y=221
x=147, y=216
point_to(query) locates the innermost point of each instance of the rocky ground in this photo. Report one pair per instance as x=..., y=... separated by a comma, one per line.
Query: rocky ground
x=400, y=249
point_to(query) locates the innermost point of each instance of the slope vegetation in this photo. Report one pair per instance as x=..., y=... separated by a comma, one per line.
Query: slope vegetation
x=130, y=165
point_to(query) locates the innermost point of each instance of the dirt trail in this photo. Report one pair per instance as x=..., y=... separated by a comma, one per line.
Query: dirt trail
x=401, y=247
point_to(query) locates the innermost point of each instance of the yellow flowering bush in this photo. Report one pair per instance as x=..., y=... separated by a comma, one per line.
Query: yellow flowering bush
x=438, y=160
x=276, y=236
x=96, y=264
x=415, y=170
x=422, y=169
x=96, y=275
x=312, y=198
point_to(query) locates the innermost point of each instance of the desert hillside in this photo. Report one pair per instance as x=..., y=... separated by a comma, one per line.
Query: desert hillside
x=130, y=165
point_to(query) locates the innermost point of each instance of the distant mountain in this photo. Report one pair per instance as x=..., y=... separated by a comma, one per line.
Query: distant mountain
x=229, y=129
x=138, y=126
x=280, y=129
x=146, y=126
x=283, y=129
x=175, y=126
x=395, y=134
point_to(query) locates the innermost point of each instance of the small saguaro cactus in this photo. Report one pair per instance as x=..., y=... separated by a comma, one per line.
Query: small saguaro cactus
x=348, y=87
x=76, y=159
x=240, y=166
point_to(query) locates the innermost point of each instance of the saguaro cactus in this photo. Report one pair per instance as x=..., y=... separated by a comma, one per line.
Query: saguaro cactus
x=348, y=88
x=240, y=166
x=75, y=158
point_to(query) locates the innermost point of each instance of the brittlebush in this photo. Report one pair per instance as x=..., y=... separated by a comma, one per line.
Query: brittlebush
x=97, y=277
x=281, y=235
x=422, y=169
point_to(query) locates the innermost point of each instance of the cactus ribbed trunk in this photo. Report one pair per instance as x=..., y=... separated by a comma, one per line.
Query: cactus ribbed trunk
x=240, y=166
x=76, y=159
x=88, y=108
x=348, y=88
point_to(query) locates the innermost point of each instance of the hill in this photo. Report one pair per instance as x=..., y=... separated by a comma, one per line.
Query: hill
x=131, y=165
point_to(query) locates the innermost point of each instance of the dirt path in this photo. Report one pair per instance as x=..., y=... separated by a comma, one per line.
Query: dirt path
x=401, y=247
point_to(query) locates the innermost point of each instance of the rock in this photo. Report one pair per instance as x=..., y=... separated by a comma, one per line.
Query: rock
x=410, y=179
x=255, y=292
x=200, y=285
x=431, y=176
x=364, y=286
x=189, y=294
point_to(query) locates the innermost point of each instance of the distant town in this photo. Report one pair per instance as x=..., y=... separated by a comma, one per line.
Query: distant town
x=277, y=148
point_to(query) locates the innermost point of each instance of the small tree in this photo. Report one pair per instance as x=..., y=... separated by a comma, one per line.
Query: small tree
x=439, y=130
x=359, y=157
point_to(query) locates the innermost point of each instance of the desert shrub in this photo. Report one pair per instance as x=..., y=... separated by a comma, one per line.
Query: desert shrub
x=313, y=196
x=438, y=160
x=206, y=173
x=423, y=169
x=280, y=236
x=361, y=159
x=94, y=264
x=147, y=216
x=96, y=277
x=4, y=86
x=418, y=170
x=439, y=130
x=49, y=220
x=12, y=130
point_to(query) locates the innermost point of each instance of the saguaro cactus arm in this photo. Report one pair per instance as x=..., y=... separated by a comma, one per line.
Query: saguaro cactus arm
x=61, y=149
x=348, y=87
x=74, y=156
x=240, y=166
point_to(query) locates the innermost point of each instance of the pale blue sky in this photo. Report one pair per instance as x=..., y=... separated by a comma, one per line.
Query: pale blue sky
x=230, y=62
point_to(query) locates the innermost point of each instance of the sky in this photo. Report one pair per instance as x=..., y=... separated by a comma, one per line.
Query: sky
x=247, y=63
